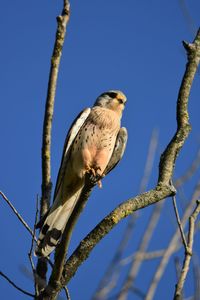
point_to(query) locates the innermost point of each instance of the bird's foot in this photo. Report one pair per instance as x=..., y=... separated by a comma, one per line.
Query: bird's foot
x=95, y=176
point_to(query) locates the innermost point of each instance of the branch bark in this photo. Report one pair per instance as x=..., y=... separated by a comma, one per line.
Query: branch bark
x=188, y=253
x=62, y=22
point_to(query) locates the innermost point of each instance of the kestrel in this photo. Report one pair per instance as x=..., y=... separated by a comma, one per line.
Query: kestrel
x=94, y=144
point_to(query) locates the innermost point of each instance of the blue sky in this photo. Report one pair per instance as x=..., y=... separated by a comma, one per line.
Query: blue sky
x=130, y=45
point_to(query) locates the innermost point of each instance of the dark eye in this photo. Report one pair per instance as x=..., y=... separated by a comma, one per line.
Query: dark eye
x=120, y=101
x=112, y=94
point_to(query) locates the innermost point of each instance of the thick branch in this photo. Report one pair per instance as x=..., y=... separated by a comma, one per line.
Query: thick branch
x=169, y=156
x=108, y=223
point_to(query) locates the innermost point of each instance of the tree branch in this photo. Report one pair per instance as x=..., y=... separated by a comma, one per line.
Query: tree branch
x=31, y=249
x=188, y=253
x=179, y=222
x=18, y=215
x=15, y=286
x=62, y=22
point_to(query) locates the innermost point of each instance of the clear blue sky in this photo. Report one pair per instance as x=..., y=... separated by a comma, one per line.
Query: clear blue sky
x=130, y=45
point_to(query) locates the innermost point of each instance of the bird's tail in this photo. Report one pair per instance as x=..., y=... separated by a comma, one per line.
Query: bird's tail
x=54, y=224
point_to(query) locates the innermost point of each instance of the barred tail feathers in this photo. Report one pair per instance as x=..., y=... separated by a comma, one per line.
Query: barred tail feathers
x=54, y=225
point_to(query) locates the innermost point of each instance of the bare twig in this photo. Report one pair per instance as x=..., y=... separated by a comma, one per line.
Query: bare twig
x=62, y=22
x=31, y=249
x=188, y=253
x=15, y=286
x=179, y=222
x=18, y=215
x=67, y=293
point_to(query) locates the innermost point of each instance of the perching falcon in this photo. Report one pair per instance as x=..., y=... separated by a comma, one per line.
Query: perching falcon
x=94, y=144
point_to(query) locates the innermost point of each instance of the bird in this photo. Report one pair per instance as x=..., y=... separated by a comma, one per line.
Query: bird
x=94, y=145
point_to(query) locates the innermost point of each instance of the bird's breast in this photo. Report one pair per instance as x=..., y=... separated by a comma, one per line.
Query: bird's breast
x=94, y=143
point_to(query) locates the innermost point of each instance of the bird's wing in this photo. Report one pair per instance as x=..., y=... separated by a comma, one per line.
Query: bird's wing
x=74, y=129
x=118, y=151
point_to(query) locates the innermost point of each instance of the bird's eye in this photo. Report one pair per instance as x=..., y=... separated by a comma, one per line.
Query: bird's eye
x=120, y=101
x=112, y=95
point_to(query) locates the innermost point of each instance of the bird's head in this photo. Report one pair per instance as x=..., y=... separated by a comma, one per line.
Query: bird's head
x=114, y=100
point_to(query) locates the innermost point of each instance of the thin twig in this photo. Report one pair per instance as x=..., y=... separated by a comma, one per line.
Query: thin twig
x=67, y=293
x=18, y=215
x=31, y=249
x=179, y=222
x=16, y=286
x=188, y=253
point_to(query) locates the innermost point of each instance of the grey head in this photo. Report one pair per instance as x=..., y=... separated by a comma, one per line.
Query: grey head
x=113, y=99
